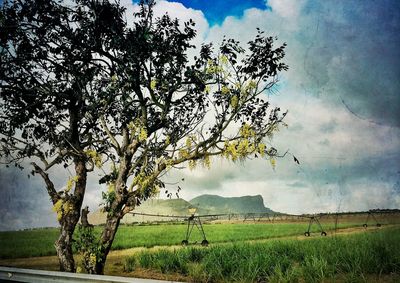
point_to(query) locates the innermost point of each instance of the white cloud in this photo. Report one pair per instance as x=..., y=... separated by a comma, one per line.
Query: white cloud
x=287, y=9
x=174, y=10
x=177, y=10
x=337, y=166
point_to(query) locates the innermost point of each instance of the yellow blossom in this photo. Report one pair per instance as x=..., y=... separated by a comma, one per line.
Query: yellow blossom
x=153, y=84
x=155, y=190
x=131, y=126
x=234, y=101
x=142, y=135
x=225, y=90
x=230, y=150
x=70, y=183
x=212, y=68
x=167, y=140
x=92, y=258
x=62, y=208
x=96, y=157
x=252, y=84
x=57, y=206
x=273, y=163
x=251, y=148
x=261, y=149
x=111, y=187
x=192, y=164
x=188, y=143
x=183, y=153
x=207, y=162
x=67, y=207
x=223, y=59
x=168, y=163
x=246, y=131
x=141, y=181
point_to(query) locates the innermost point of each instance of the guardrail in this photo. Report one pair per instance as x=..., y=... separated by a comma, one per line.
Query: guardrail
x=43, y=276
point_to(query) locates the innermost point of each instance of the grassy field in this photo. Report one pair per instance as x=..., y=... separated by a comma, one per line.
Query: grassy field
x=40, y=242
x=239, y=252
x=350, y=258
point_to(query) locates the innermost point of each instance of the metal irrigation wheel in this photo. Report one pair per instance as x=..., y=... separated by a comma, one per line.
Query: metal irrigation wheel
x=185, y=243
x=204, y=243
x=307, y=234
x=323, y=233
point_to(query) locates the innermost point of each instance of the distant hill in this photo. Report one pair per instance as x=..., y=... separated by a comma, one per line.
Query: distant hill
x=217, y=204
x=165, y=206
x=206, y=204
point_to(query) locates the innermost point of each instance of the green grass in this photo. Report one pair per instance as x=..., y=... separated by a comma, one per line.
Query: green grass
x=352, y=258
x=40, y=242
x=37, y=242
x=149, y=236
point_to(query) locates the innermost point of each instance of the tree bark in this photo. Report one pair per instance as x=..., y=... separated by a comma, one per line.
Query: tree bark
x=115, y=214
x=63, y=245
x=68, y=221
x=106, y=241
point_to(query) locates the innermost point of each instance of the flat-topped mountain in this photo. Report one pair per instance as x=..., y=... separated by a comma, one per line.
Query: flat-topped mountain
x=205, y=204
x=217, y=204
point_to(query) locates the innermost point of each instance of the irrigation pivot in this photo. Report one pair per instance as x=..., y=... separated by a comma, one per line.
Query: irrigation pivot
x=192, y=220
x=314, y=218
x=373, y=212
x=196, y=220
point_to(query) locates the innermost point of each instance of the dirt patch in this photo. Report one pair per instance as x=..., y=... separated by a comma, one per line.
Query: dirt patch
x=42, y=263
x=152, y=274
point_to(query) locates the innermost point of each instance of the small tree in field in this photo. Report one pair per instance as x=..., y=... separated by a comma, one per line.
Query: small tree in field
x=81, y=85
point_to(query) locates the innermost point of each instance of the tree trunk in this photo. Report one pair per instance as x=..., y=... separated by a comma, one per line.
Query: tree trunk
x=106, y=241
x=63, y=245
x=115, y=214
x=68, y=221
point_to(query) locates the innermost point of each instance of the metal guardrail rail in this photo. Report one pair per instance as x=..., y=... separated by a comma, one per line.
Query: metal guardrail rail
x=42, y=276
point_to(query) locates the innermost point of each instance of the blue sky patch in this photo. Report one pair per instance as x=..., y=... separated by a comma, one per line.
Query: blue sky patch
x=216, y=11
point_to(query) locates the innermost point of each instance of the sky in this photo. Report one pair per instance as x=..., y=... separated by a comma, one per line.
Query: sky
x=342, y=92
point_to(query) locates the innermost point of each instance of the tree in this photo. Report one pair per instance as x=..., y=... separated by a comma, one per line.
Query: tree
x=52, y=72
x=140, y=104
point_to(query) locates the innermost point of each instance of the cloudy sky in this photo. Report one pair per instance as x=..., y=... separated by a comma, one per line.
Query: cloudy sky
x=342, y=93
